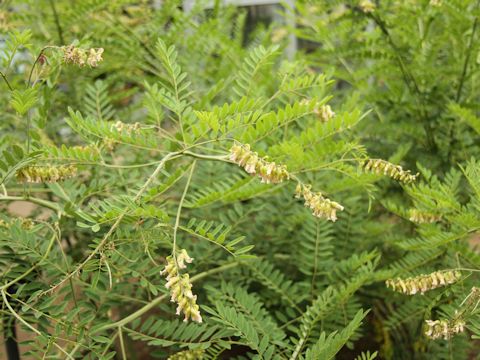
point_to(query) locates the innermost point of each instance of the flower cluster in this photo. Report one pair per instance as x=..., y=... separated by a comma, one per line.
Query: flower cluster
x=128, y=128
x=367, y=6
x=196, y=354
x=269, y=172
x=421, y=217
x=181, y=287
x=25, y=223
x=325, y=113
x=379, y=166
x=445, y=329
x=321, y=207
x=82, y=57
x=45, y=174
x=423, y=283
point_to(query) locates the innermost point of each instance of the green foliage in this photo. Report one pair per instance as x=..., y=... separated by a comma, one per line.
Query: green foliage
x=149, y=137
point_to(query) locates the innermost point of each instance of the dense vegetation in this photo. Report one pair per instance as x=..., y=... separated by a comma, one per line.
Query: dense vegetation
x=195, y=193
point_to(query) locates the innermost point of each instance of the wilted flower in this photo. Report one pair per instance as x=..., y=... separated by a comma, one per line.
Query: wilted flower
x=321, y=206
x=379, y=166
x=181, y=287
x=423, y=283
x=45, y=174
x=269, y=172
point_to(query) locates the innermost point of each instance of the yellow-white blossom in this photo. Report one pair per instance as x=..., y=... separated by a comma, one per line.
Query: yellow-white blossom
x=424, y=283
x=321, y=207
x=379, y=166
x=45, y=174
x=180, y=286
x=445, y=329
x=421, y=217
x=81, y=57
x=269, y=172
x=119, y=126
x=367, y=6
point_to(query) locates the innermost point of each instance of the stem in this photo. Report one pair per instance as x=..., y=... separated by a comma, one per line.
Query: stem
x=207, y=157
x=159, y=299
x=41, y=202
x=20, y=277
x=6, y=80
x=409, y=80
x=117, y=222
x=57, y=22
x=467, y=58
x=19, y=318
x=11, y=344
x=122, y=345
x=36, y=61
x=179, y=211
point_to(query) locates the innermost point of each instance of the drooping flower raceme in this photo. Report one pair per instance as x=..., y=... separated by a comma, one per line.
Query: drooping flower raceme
x=269, y=172
x=180, y=286
x=423, y=283
x=379, y=166
x=421, y=217
x=321, y=206
x=45, y=174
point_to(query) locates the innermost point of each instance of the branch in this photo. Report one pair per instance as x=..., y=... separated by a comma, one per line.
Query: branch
x=467, y=58
x=6, y=80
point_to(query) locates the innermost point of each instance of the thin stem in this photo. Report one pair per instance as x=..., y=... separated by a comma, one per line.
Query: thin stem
x=117, y=222
x=20, y=277
x=57, y=22
x=409, y=80
x=36, y=61
x=159, y=299
x=207, y=157
x=6, y=80
x=467, y=58
x=41, y=202
x=19, y=318
x=179, y=211
x=122, y=345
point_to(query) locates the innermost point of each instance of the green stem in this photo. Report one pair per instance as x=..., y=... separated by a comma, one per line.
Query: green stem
x=19, y=318
x=159, y=299
x=6, y=80
x=179, y=211
x=122, y=344
x=117, y=222
x=467, y=58
x=41, y=202
x=20, y=277
x=57, y=22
